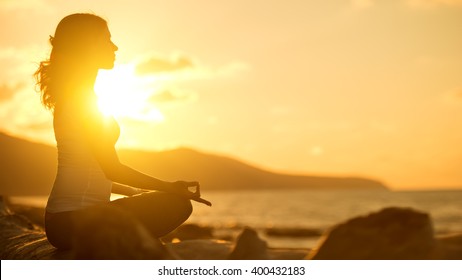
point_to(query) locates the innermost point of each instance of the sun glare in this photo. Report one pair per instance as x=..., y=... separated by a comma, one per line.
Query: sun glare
x=121, y=93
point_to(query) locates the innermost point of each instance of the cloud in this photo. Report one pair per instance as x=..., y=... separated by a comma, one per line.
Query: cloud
x=18, y=64
x=24, y=115
x=15, y=5
x=168, y=79
x=232, y=69
x=167, y=96
x=155, y=65
x=46, y=125
x=185, y=68
x=7, y=92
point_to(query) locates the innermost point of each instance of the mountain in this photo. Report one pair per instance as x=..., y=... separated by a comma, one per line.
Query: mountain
x=219, y=172
x=28, y=168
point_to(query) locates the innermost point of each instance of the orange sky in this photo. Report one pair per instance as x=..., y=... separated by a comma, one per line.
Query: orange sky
x=368, y=88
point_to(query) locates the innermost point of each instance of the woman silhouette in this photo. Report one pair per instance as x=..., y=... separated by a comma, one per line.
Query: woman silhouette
x=87, y=160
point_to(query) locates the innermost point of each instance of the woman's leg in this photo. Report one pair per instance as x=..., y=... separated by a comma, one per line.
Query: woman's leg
x=159, y=212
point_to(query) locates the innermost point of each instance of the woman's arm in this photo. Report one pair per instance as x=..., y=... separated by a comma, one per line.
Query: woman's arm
x=122, y=174
x=179, y=187
x=126, y=190
x=103, y=149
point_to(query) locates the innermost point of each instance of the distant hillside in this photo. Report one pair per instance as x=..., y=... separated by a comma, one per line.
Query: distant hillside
x=28, y=168
x=218, y=172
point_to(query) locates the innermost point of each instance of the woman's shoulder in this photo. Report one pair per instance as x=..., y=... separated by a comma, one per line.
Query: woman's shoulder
x=87, y=120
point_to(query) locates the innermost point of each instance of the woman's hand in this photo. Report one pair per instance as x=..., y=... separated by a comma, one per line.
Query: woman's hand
x=189, y=189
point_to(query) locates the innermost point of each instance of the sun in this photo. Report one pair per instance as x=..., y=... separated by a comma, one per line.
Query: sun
x=121, y=93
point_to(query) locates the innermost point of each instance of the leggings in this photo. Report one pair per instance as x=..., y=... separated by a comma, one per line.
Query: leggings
x=159, y=212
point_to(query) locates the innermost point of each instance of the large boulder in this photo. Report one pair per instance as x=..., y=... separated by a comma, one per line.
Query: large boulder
x=390, y=234
x=249, y=246
x=20, y=239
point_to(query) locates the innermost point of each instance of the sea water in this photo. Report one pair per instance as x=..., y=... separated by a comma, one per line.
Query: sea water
x=321, y=210
x=318, y=210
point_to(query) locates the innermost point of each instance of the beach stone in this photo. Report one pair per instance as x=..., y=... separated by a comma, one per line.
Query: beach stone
x=390, y=234
x=20, y=239
x=34, y=214
x=249, y=247
x=449, y=247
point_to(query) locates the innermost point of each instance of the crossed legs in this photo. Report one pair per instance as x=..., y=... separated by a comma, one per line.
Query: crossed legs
x=159, y=212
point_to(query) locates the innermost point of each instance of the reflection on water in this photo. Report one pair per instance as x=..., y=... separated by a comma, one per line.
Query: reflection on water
x=310, y=209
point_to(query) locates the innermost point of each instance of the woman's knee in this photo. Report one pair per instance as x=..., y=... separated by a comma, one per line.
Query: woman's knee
x=188, y=207
x=183, y=205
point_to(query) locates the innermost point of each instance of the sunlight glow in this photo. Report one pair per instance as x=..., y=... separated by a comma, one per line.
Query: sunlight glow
x=121, y=93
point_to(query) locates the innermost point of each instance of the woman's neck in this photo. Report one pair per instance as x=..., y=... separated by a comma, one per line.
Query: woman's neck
x=78, y=91
x=86, y=82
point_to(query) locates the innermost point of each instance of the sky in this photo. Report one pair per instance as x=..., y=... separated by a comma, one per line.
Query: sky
x=338, y=87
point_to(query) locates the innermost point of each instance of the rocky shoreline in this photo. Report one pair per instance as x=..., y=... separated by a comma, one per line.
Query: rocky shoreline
x=392, y=233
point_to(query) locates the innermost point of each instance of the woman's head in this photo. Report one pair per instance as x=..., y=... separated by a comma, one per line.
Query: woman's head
x=80, y=46
x=83, y=38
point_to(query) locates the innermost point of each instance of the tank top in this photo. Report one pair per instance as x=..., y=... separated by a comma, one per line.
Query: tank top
x=80, y=182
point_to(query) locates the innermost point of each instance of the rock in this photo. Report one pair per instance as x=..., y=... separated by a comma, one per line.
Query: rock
x=20, y=239
x=390, y=234
x=34, y=214
x=449, y=247
x=249, y=247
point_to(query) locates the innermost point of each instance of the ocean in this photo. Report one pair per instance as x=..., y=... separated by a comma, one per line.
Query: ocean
x=306, y=209
x=320, y=210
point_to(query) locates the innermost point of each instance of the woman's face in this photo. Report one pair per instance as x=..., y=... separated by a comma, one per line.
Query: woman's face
x=104, y=55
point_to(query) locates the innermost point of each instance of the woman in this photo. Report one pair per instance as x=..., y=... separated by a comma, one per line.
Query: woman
x=87, y=160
